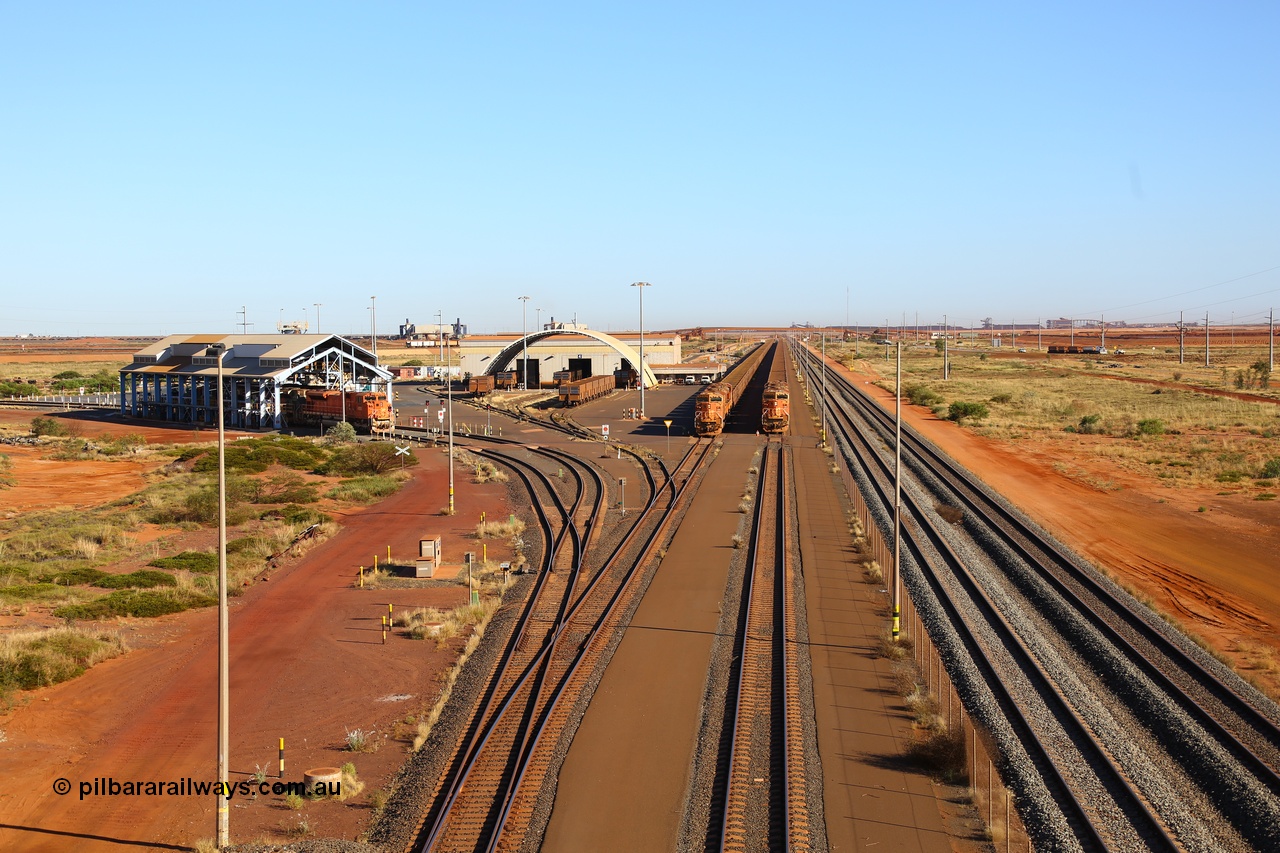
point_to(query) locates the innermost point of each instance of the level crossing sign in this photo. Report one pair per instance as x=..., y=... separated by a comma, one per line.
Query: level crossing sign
x=604, y=430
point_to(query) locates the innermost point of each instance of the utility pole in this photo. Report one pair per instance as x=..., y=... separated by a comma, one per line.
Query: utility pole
x=897, y=497
x=317, y=304
x=823, y=404
x=1073, y=331
x=946, y=348
x=524, y=359
x=917, y=327
x=1206, y=339
x=1271, y=339
x=440, y=339
x=244, y=323
x=1039, y=326
x=1104, y=331
x=224, y=653
x=1013, y=330
x=373, y=325
x=641, y=285
x=1182, y=340
x=449, y=391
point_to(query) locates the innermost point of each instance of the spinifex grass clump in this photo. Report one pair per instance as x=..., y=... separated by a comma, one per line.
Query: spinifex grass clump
x=34, y=659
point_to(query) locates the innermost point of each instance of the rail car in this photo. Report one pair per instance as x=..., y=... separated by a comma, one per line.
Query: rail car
x=712, y=406
x=585, y=390
x=507, y=380
x=562, y=376
x=480, y=385
x=1091, y=350
x=367, y=411
x=775, y=411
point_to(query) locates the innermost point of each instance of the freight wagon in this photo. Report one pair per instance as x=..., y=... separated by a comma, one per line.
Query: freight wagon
x=775, y=414
x=507, y=380
x=481, y=385
x=367, y=411
x=1059, y=348
x=585, y=390
x=562, y=376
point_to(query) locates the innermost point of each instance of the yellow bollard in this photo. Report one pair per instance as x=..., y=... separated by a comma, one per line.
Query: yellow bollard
x=388, y=553
x=281, y=758
x=484, y=554
x=375, y=562
x=362, y=577
x=384, y=630
x=391, y=613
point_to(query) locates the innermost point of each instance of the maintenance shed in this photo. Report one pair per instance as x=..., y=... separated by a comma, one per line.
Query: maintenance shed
x=175, y=379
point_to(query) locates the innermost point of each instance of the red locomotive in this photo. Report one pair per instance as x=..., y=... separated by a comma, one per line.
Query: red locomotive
x=367, y=411
x=775, y=413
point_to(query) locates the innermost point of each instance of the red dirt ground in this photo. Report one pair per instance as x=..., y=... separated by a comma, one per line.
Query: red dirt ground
x=307, y=664
x=1212, y=570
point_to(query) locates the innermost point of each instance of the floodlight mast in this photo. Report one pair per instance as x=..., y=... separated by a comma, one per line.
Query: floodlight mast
x=641, y=285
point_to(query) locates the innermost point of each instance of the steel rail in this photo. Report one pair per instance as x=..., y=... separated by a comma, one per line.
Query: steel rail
x=544, y=653
x=588, y=644
x=1051, y=563
x=1145, y=822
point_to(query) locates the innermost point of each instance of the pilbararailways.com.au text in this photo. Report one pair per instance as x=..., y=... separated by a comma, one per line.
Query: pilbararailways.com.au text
x=107, y=786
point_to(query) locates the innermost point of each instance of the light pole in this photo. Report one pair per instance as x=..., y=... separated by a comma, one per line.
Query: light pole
x=642, y=285
x=537, y=326
x=448, y=378
x=897, y=496
x=224, y=664
x=524, y=359
x=373, y=325
x=317, y=304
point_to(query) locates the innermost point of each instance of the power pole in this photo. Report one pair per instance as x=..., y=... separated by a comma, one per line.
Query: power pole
x=1013, y=331
x=946, y=348
x=1206, y=339
x=1039, y=346
x=1104, y=331
x=917, y=327
x=1182, y=340
x=244, y=323
x=373, y=325
x=897, y=496
x=524, y=336
x=1073, y=331
x=1271, y=340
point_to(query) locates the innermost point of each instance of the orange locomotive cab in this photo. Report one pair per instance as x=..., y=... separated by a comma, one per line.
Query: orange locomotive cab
x=775, y=413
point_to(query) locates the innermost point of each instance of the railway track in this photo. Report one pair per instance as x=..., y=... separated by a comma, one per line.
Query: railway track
x=764, y=783
x=486, y=800
x=1199, y=735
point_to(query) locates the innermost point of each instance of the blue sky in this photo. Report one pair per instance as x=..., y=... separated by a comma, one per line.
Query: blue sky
x=163, y=164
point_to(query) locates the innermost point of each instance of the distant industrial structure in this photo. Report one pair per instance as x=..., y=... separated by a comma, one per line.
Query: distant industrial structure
x=431, y=334
x=175, y=378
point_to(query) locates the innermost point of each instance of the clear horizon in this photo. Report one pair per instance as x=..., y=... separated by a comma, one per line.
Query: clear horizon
x=166, y=165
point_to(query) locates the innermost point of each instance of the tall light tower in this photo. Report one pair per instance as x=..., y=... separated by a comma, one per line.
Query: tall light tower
x=642, y=285
x=219, y=351
x=524, y=359
x=537, y=313
x=317, y=304
x=373, y=325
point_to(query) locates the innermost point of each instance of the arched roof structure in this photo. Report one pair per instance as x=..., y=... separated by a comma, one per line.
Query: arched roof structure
x=502, y=359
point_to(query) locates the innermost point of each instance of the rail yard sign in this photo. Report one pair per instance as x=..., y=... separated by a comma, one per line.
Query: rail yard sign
x=604, y=430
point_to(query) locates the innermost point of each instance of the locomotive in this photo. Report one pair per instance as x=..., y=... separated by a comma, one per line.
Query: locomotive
x=367, y=411
x=713, y=404
x=775, y=414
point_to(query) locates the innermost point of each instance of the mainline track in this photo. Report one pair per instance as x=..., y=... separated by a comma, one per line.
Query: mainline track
x=764, y=782
x=1080, y=609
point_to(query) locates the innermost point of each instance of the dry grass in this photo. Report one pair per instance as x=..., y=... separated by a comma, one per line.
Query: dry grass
x=500, y=529
x=485, y=611
x=872, y=573
x=32, y=659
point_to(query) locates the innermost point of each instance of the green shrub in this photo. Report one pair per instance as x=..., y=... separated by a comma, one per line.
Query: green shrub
x=373, y=458
x=1231, y=476
x=1270, y=470
x=365, y=489
x=295, y=514
x=921, y=395
x=1002, y=398
x=141, y=579
x=1090, y=425
x=199, y=562
x=67, y=374
x=1150, y=426
x=340, y=433
x=960, y=410
x=47, y=426
x=134, y=602
x=41, y=659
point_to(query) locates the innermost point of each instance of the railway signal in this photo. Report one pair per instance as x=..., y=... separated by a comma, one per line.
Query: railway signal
x=666, y=422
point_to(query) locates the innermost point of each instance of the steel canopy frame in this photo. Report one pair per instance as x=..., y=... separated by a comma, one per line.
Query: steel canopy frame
x=502, y=359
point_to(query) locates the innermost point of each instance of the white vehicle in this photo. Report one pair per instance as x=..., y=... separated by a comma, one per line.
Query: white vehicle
x=689, y=380
x=706, y=380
